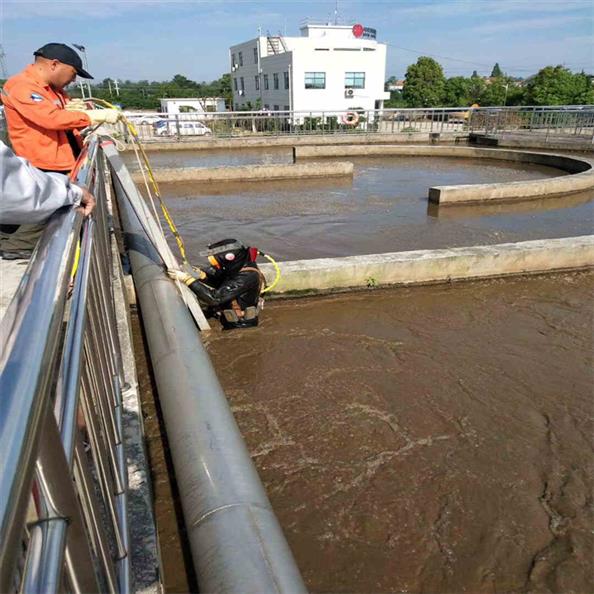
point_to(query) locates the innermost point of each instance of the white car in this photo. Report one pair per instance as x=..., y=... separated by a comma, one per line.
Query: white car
x=170, y=128
x=140, y=119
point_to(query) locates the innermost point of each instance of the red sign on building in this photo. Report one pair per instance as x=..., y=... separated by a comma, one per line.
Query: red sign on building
x=358, y=30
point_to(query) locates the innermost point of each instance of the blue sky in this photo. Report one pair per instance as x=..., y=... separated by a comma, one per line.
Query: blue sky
x=144, y=39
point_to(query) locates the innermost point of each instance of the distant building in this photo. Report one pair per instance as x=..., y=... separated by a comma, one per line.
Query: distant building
x=328, y=68
x=192, y=105
x=396, y=85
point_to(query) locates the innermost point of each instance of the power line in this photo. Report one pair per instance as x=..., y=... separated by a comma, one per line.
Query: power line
x=481, y=64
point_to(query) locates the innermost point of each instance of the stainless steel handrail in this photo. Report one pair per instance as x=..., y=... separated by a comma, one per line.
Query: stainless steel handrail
x=572, y=121
x=56, y=395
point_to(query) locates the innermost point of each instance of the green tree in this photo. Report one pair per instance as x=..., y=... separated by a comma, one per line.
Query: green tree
x=557, y=85
x=395, y=100
x=179, y=80
x=476, y=89
x=457, y=91
x=496, y=72
x=495, y=93
x=424, y=84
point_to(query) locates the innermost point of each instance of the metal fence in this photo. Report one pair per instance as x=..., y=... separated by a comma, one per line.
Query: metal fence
x=63, y=476
x=571, y=121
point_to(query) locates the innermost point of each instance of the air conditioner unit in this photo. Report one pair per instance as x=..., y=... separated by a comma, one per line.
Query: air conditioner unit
x=348, y=93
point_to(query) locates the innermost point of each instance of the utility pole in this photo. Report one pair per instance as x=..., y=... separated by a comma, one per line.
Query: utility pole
x=109, y=85
x=117, y=87
x=83, y=50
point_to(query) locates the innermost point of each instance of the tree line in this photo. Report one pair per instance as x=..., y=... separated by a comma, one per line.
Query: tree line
x=143, y=94
x=425, y=85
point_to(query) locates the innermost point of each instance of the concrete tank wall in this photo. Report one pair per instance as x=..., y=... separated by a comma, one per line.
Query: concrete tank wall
x=580, y=168
x=251, y=172
x=430, y=266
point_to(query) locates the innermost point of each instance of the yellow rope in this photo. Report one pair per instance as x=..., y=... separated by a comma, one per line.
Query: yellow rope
x=168, y=218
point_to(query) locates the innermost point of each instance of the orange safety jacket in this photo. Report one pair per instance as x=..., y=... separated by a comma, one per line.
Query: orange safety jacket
x=37, y=121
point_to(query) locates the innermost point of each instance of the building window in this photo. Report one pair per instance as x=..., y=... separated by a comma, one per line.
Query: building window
x=275, y=81
x=255, y=55
x=257, y=81
x=232, y=60
x=235, y=84
x=241, y=58
x=276, y=108
x=266, y=106
x=241, y=83
x=287, y=108
x=265, y=82
x=315, y=80
x=354, y=80
x=286, y=75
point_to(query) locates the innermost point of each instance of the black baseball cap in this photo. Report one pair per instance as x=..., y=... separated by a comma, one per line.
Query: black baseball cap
x=64, y=54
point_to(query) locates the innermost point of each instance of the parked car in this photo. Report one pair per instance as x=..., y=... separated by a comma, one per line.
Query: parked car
x=170, y=128
x=143, y=119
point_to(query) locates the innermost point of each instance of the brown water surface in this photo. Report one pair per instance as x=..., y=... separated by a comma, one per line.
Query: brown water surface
x=383, y=208
x=432, y=439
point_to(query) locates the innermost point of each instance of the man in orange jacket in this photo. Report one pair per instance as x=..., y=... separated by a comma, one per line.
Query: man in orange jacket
x=41, y=130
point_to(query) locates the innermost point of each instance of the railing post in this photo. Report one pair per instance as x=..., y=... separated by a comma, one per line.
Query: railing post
x=177, y=127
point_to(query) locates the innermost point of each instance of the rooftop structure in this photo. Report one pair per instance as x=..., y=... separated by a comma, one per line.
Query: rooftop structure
x=327, y=68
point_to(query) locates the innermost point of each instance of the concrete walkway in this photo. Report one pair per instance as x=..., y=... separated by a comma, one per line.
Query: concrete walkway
x=11, y=272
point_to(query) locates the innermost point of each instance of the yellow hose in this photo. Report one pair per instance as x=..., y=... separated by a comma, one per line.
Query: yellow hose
x=276, y=268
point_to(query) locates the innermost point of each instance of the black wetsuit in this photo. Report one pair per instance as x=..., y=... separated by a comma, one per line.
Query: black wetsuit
x=231, y=290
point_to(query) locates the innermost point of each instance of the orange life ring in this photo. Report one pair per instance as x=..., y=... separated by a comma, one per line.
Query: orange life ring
x=350, y=118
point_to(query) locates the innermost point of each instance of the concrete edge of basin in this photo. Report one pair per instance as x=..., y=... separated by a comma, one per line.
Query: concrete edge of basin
x=433, y=266
x=581, y=170
x=290, y=140
x=252, y=172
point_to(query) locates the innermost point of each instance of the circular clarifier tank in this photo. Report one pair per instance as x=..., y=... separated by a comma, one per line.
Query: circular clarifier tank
x=383, y=208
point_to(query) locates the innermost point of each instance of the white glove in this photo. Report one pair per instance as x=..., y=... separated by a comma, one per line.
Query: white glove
x=103, y=116
x=182, y=277
x=76, y=105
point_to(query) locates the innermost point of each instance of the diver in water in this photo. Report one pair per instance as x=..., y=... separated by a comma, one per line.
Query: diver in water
x=230, y=287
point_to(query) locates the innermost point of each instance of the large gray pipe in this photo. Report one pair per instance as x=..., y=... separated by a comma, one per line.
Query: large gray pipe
x=237, y=544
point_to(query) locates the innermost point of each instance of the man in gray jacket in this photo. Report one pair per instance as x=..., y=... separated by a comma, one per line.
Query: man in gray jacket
x=28, y=195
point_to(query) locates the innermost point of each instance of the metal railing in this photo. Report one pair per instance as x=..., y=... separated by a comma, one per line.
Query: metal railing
x=63, y=476
x=575, y=121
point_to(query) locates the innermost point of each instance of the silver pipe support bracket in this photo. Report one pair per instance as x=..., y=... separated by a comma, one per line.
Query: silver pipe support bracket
x=237, y=544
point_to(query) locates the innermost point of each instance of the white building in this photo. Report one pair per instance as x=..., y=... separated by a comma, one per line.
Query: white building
x=192, y=105
x=328, y=68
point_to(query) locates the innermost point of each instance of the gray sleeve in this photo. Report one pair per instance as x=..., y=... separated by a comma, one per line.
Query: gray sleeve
x=28, y=195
